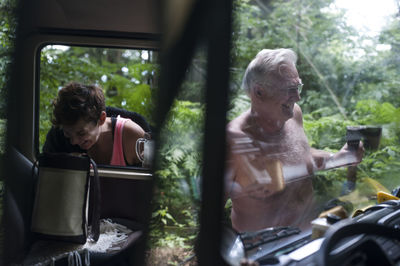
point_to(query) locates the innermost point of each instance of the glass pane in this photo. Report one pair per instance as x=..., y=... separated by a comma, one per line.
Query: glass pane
x=290, y=147
x=175, y=223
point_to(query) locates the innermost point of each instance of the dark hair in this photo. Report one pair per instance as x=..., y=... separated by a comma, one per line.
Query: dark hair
x=76, y=101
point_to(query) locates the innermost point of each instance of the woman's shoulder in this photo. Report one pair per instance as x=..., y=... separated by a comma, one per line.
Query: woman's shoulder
x=132, y=125
x=132, y=130
x=136, y=117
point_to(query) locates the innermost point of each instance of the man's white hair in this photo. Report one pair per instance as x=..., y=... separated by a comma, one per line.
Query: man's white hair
x=265, y=65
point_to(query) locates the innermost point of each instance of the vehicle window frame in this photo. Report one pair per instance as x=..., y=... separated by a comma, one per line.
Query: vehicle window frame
x=93, y=42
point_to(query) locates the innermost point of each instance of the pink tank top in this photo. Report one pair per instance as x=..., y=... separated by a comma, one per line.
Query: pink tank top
x=118, y=157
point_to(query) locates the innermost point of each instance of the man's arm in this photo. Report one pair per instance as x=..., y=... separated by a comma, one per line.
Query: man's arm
x=229, y=174
x=346, y=156
x=326, y=160
x=320, y=158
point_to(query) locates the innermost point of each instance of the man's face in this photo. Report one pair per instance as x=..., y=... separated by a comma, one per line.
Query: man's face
x=281, y=95
x=82, y=133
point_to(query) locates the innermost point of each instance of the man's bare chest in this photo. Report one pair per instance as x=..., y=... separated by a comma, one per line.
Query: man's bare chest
x=286, y=148
x=290, y=145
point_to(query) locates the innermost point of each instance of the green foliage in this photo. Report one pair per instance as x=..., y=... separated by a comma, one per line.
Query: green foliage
x=192, y=86
x=238, y=105
x=325, y=131
x=383, y=164
x=7, y=37
x=372, y=111
x=2, y=135
x=384, y=114
x=177, y=180
x=166, y=231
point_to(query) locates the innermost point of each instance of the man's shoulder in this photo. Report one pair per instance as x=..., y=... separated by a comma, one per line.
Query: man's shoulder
x=298, y=114
x=234, y=128
x=234, y=131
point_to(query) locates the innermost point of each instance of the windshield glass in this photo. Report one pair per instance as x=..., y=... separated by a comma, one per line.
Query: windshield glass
x=316, y=124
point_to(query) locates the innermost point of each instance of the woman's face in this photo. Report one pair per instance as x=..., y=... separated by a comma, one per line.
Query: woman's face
x=82, y=133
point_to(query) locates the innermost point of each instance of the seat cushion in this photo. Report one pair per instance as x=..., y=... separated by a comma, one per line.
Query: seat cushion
x=116, y=237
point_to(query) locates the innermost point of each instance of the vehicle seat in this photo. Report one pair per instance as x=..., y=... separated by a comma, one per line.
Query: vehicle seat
x=60, y=253
x=22, y=248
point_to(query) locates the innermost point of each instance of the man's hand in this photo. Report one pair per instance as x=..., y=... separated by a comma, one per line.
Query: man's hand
x=357, y=152
x=346, y=156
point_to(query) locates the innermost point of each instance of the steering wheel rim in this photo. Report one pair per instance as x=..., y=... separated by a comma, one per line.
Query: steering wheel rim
x=341, y=230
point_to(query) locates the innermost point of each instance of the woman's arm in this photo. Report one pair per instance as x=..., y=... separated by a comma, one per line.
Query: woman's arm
x=131, y=133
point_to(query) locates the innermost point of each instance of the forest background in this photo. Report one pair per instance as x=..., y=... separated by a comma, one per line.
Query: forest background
x=350, y=79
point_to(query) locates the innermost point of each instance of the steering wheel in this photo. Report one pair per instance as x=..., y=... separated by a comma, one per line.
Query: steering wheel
x=342, y=230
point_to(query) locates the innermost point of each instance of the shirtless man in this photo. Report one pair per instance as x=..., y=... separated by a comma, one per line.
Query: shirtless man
x=269, y=158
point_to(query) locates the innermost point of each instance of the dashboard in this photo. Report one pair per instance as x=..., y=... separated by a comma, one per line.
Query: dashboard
x=370, y=238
